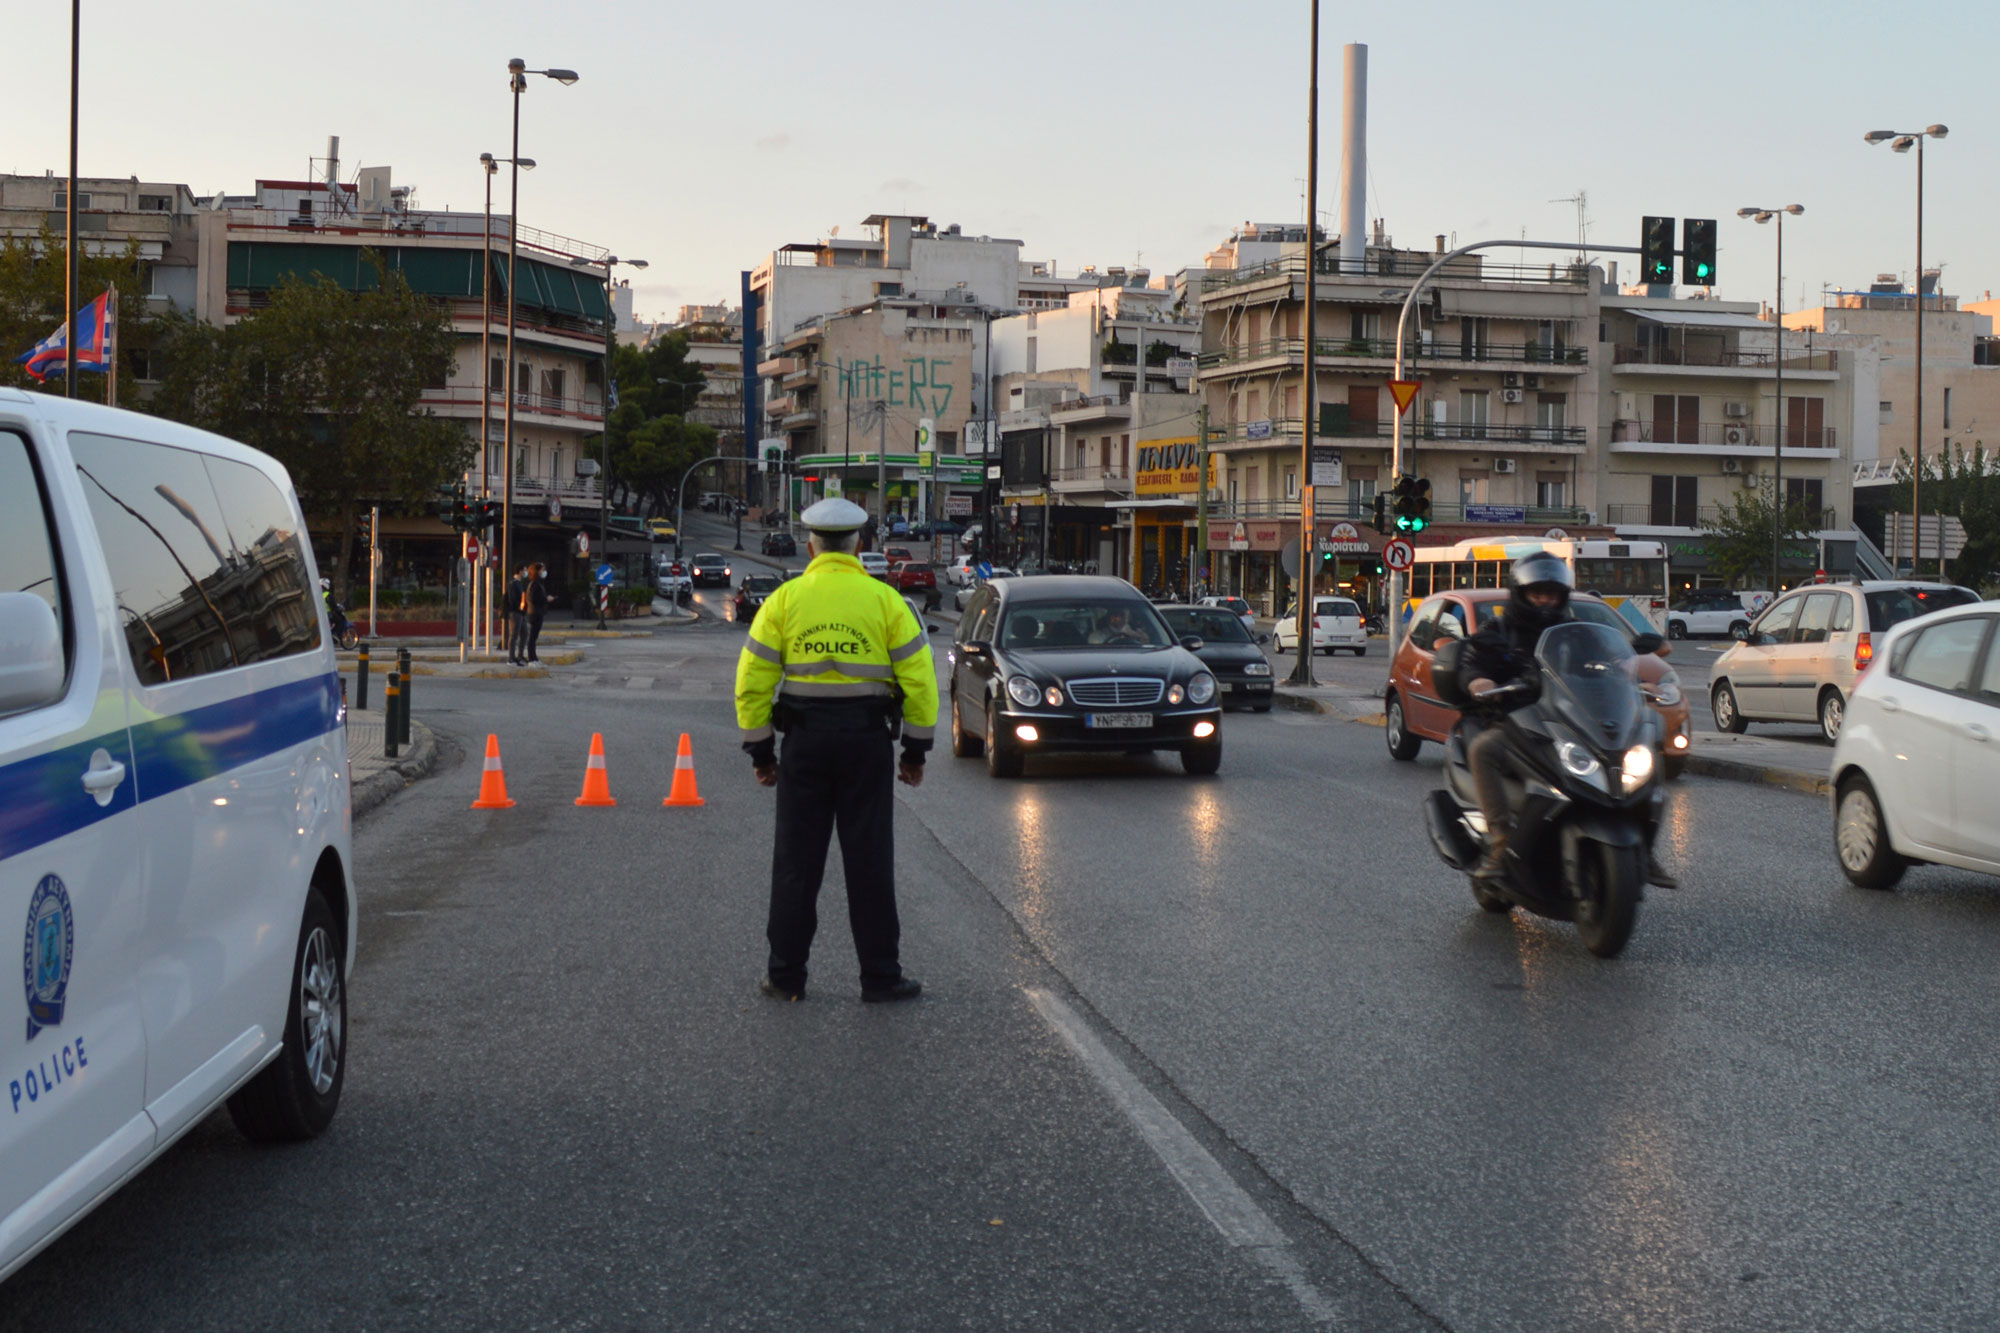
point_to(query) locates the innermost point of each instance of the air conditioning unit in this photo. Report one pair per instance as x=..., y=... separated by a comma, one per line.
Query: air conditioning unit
x=1510, y=395
x=1731, y=466
x=1503, y=466
x=1510, y=381
x=1750, y=481
x=1736, y=409
x=1531, y=381
x=1735, y=436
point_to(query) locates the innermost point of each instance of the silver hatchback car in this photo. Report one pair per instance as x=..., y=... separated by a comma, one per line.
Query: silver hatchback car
x=1799, y=660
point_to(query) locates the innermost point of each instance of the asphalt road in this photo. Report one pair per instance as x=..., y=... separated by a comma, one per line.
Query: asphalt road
x=1193, y=1053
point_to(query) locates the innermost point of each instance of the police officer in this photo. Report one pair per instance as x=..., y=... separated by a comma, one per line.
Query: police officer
x=837, y=662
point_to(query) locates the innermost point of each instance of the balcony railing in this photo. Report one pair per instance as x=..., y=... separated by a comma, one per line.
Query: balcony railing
x=1691, y=517
x=1414, y=431
x=1721, y=358
x=1112, y=475
x=414, y=224
x=1729, y=434
x=547, y=404
x=1094, y=403
x=1405, y=264
x=570, y=490
x=1384, y=349
x=1338, y=507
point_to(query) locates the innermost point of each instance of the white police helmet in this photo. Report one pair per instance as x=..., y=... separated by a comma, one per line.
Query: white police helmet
x=834, y=515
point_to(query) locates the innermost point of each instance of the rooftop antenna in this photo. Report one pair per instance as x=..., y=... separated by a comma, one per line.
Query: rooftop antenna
x=1582, y=201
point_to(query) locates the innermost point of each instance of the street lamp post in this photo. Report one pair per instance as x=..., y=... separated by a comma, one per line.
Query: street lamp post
x=1764, y=215
x=610, y=342
x=517, y=82
x=492, y=167
x=1902, y=140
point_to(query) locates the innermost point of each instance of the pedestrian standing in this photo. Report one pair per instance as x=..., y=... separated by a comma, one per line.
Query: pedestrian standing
x=536, y=604
x=517, y=619
x=837, y=662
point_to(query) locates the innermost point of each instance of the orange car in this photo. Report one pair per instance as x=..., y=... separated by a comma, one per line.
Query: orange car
x=1415, y=715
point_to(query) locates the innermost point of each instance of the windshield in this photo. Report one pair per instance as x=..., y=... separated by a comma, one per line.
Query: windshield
x=1214, y=624
x=1083, y=624
x=1592, y=681
x=761, y=582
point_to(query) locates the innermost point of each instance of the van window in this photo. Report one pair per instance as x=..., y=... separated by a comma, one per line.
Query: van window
x=200, y=587
x=27, y=547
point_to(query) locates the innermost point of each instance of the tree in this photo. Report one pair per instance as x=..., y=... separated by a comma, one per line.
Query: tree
x=1739, y=538
x=1965, y=484
x=327, y=381
x=32, y=279
x=652, y=442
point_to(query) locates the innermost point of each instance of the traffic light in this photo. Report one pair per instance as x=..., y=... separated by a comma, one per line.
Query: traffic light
x=1381, y=511
x=1420, y=507
x=1413, y=505
x=1656, y=250
x=489, y=513
x=1698, y=252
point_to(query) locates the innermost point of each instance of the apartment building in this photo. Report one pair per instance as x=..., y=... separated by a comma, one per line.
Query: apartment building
x=112, y=213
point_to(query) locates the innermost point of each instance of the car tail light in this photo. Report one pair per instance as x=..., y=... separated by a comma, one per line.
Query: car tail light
x=1315, y=622
x=1864, y=650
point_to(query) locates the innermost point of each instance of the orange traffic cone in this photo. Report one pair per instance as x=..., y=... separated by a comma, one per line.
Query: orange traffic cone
x=596, y=783
x=493, y=782
x=685, y=792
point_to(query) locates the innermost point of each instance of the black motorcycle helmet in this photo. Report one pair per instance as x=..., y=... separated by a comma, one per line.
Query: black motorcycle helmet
x=1540, y=572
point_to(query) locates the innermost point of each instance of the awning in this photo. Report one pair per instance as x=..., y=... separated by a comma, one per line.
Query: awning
x=1698, y=320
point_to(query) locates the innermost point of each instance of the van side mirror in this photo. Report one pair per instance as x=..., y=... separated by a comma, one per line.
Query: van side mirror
x=31, y=652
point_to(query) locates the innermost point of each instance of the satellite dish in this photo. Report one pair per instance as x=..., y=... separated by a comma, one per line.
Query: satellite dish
x=215, y=204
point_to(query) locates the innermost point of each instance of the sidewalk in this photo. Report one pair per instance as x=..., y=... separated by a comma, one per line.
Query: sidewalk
x=374, y=777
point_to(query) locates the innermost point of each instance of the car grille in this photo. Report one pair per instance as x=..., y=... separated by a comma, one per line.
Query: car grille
x=1116, y=691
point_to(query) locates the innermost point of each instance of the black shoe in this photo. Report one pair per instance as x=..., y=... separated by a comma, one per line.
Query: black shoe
x=1492, y=866
x=909, y=988
x=1657, y=873
x=771, y=990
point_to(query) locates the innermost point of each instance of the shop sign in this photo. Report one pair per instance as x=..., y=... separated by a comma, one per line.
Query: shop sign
x=1266, y=536
x=1181, y=367
x=958, y=506
x=1326, y=466
x=1257, y=430
x=1344, y=539
x=1496, y=513
x=1172, y=467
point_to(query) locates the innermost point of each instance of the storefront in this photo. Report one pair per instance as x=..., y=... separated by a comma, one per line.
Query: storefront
x=1164, y=540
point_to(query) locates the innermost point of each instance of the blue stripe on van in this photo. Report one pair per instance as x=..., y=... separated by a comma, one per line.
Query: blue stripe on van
x=42, y=799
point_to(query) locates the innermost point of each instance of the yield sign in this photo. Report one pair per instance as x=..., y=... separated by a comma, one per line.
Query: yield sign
x=1405, y=393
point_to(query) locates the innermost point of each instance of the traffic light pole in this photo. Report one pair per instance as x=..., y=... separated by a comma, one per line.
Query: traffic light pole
x=1397, y=587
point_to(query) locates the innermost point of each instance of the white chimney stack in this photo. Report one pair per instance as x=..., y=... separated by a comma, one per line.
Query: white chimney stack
x=1353, y=159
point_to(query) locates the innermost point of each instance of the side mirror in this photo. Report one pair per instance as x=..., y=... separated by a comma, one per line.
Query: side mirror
x=1643, y=644
x=31, y=652
x=1191, y=642
x=976, y=648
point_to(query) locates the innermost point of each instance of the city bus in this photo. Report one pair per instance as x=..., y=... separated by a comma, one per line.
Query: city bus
x=1630, y=575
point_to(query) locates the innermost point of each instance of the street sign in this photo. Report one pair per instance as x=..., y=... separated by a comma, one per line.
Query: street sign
x=1399, y=555
x=582, y=546
x=1326, y=469
x=925, y=430
x=1405, y=393
x=555, y=509
x=604, y=575
x=985, y=570
x=1897, y=543
x=471, y=551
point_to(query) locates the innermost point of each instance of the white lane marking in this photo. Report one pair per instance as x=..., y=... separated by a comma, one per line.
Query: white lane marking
x=1228, y=1208
x=639, y=683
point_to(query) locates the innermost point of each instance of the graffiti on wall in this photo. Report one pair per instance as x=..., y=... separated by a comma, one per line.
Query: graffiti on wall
x=922, y=382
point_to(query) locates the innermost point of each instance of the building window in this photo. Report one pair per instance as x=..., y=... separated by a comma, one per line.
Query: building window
x=1551, y=411
x=139, y=363
x=1809, y=492
x=156, y=203
x=1473, y=332
x=1031, y=355
x=1364, y=325
x=62, y=199
x=496, y=372
x=888, y=289
x=1472, y=408
x=1805, y=423
x=947, y=441
x=1676, y=418
x=1360, y=494
x=555, y=465
x=1552, y=494
x=1885, y=412
x=1472, y=490
x=1291, y=483
x=1674, y=504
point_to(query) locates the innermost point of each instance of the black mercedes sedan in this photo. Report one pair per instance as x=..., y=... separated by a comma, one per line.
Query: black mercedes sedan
x=1242, y=672
x=1056, y=663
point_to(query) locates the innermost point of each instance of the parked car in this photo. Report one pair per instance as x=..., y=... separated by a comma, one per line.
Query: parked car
x=751, y=594
x=662, y=529
x=1710, y=611
x=896, y=555
x=1232, y=653
x=779, y=543
x=963, y=597
x=875, y=563
x=1917, y=762
x=962, y=570
x=671, y=579
x=1337, y=624
x=1413, y=713
x=914, y=575
x=1798, y=661
x=177, y=852
x=1042, y=665
x=1237, y=607
x=710, y=568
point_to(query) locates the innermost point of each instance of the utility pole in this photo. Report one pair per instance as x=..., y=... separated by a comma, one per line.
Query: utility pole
x=1201, y=499
x=881, y=470
x=1302, y=672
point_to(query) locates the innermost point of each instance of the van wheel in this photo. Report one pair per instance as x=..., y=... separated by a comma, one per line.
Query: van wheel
x=964, y=745
x=1402, y=745
x=1728, y=717
x=1832, y=712
x=1861, y=837
x=294, y=1097
x=1002, y=760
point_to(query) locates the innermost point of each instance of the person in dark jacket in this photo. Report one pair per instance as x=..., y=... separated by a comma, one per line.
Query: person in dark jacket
x=517, y=618
x=537, y=603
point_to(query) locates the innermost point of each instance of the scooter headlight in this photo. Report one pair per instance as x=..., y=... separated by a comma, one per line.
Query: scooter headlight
x=1638, y=767
x=1576, y=760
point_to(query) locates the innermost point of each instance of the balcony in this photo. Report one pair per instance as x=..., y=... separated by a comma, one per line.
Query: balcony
x=1437, y=434
x=1628, y=358
x=1100, y=407
x=1404, y=264
x=538, y=491
x=1734, y=438
x=1338, y=506
x=1680, y=518
x=1557, y=356
x=583, y=413
x=777, y=366
x=1107, y=477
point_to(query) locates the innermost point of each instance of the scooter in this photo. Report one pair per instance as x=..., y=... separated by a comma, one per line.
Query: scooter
x=1584, y=792
x=345, y=636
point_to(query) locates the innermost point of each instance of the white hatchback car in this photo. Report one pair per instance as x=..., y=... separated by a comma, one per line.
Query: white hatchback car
x=1337, y=624
x=1917, y=765
x=174, y=836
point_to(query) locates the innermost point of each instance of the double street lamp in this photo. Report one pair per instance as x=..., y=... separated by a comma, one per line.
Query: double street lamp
x=1764, y=215
x=1901, y=141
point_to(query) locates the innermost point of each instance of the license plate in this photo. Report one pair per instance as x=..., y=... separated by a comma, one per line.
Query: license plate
x=1117, y=719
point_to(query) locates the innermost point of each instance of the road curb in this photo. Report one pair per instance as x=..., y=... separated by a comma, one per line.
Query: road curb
x=1301, y=703
x=417, y=763
x=1767, y=775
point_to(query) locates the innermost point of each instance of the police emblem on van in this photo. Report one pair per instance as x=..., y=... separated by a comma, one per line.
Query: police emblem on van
x=45, y=957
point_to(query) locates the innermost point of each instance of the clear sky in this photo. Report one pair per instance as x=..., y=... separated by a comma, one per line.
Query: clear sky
x=1100, y=132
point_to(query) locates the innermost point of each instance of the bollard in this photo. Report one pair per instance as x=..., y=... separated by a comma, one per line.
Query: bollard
x=403, y=705
x=361, y=679
x=389, y=711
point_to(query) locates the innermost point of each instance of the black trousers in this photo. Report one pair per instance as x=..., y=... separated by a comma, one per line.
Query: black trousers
x=829, y=779
x=534, y=636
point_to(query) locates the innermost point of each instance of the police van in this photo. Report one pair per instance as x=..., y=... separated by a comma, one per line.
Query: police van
x=174, y=806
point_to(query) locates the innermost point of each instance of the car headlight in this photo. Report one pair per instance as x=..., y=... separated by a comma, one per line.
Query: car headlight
x=1638, y=767
x=1024, y=691
x=1201, y=689
x=1052, y=696
x=1257, y=669
x=1576, y=760
x=1174, y=694
x=1667, y=690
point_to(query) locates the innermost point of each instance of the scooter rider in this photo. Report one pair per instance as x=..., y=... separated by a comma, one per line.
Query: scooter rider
x=1503, y=651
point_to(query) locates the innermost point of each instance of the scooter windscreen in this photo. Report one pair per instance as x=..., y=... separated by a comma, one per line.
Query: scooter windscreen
x=1592, y=682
